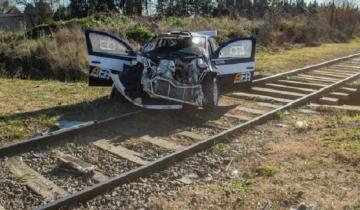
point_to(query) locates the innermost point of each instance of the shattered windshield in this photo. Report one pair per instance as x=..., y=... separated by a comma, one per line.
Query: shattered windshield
x=186, y=45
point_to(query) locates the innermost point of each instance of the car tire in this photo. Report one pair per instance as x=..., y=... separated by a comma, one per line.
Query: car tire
x=211, y=92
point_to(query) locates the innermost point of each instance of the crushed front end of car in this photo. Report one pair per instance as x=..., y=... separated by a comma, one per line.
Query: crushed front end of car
x=174, y=72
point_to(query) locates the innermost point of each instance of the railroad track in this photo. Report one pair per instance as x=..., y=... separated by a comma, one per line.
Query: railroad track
x=143, y=142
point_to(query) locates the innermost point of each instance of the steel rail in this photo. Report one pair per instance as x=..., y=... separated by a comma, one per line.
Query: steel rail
x=165, y=161
x=303, y=69
x=58, y=136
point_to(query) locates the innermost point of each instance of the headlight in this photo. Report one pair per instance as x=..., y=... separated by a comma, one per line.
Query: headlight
x=201, y=63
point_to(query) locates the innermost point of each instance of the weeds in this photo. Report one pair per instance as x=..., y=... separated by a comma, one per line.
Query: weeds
x=16, y=128
x=346, y=138
x=245, y=185
x=353, y=134
x=280, y=115
x=158, y=151
x=315, y=163
x=12, y=133
x=220, y=149
x=356, y=118
x=269, y=170
x=22, y=178
x=140, y=33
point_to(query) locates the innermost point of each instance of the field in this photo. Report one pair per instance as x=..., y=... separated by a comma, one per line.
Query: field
x=273, y=62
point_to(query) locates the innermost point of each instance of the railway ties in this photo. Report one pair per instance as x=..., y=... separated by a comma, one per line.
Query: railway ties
x=299, y=85
x=325, y=83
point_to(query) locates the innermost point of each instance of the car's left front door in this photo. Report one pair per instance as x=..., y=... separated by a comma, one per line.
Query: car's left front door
x=107, y=54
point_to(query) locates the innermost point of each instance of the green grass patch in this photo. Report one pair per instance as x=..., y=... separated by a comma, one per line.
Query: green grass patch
x=22, y=178
x=347, y=137
x=315, y=163
x=356, y=118
x=19, y=128
x=12, y=133
x=220, y=149
x=245, y=185
x=280, y=115
x=269, y=170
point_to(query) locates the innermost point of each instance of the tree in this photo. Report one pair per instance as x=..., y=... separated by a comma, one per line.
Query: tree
x=40, y=10
x=301, y=7
x=83, y=8
x=313, y=7
x=7, y=8
x=62, y=13
x=260, y=7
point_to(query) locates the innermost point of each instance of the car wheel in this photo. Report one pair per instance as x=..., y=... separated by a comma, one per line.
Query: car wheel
x=211, y=92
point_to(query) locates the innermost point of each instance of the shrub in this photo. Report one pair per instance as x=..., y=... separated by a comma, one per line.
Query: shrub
x=140, y=33
x=59, y=58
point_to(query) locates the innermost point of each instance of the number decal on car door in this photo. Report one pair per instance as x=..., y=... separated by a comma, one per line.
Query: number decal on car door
x=242, y=77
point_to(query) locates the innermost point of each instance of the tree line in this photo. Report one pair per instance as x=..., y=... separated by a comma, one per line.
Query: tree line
x=47, y=10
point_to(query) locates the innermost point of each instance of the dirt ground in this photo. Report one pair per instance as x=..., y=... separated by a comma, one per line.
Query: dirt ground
x=310, y=158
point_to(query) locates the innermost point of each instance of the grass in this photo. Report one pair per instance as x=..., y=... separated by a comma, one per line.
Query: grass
x=20, y=96
x=22, y=178
x=280, y=115
x=220, y=149
x=245, y=185
x=269, y=170
x=268, y=63
x=23, y=104
x=19, y=128
x=315, y=163
x=347, y=136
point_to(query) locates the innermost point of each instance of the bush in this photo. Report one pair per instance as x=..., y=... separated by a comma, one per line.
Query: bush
x=59, y=58
x=140, y=33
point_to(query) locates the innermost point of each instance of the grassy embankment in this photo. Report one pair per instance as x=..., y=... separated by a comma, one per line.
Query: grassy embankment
x=29, y=106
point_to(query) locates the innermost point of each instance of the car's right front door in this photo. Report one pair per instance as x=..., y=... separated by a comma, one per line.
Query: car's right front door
x=235, y=61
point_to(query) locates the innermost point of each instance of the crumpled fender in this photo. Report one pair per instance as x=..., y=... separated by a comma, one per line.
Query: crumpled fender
x=120, y=87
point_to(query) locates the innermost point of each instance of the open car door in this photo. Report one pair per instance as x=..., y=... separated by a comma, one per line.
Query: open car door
x=235, y=62
x=107, y=54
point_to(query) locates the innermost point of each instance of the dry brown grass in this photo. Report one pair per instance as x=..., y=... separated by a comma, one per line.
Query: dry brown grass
x=309, y=171
x=28, y=106
x=63, y=57
x=272, y=62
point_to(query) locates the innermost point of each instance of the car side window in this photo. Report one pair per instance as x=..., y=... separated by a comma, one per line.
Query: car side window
x=105, y=44
x=237, y=49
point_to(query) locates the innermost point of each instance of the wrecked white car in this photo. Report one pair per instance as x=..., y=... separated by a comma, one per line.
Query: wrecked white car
x=182, y=67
